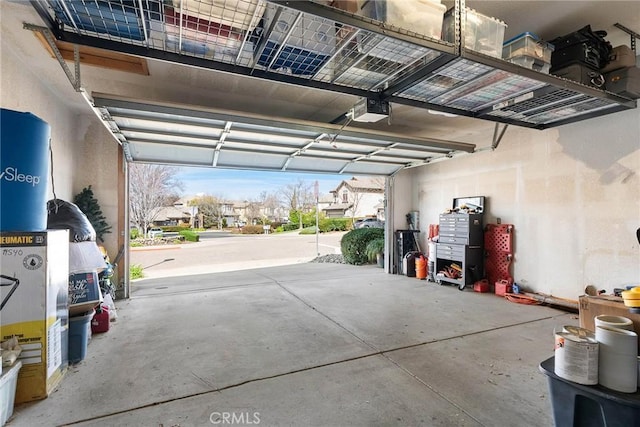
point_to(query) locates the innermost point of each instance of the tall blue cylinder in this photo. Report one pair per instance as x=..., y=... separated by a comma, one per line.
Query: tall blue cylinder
x=24, y=171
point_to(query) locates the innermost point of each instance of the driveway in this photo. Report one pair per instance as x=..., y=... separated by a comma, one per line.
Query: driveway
x=224, y=251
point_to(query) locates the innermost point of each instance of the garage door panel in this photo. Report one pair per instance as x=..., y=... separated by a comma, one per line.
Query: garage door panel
x=316, y=165
x=258, y=148
x=246, y=160
x=359, y=168
x=267, y=138
x=211, y=130
x=164, y=139
x=171, y=154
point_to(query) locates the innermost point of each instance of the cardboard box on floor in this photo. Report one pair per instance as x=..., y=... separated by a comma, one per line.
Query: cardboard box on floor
x=609, y=305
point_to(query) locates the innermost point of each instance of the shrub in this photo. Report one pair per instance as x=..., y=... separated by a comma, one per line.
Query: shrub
x=190, y=236
x=334, y=224
x=135, y=243
x=308, y=230
x=175, y=228
x=354, y=244
x=279, y=229
x=291, y=226
x=252, y=229
x=374, y=247
x=135, y=271
x=134, y=233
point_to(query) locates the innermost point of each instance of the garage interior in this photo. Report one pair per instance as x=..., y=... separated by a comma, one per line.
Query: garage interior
x=567, y=179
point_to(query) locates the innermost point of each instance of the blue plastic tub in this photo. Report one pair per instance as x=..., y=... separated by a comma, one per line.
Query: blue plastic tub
x=79, y=330
x=24, y=171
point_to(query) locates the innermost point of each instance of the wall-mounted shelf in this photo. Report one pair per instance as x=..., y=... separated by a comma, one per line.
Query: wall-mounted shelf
x=310, y=44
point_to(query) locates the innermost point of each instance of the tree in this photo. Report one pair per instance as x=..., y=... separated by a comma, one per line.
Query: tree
x=150, y=188
x=210, y=207
x=91, y=208
x=271, y=206
x=354, y=198
x=299, y=198
x=254, y=214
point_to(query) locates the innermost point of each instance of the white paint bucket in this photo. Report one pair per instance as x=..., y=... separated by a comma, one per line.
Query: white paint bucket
x=618, y=365
x=614, y=322
x=576, y=358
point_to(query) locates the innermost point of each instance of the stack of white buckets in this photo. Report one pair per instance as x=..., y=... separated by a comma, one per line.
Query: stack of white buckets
x=609, y=357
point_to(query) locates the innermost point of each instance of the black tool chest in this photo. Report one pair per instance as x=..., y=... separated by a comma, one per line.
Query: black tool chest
x=461, y=240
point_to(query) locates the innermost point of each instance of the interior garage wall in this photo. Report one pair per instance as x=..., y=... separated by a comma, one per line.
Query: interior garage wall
x=572, y=193
x=83, y=152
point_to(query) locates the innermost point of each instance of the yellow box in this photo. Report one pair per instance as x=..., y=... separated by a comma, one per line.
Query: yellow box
x=35, y=269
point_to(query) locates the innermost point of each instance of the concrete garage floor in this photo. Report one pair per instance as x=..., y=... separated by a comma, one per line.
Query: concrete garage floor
x=309, y=344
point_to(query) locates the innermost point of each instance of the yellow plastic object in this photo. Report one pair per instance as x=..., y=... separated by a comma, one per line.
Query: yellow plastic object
x=634, y=295
x=632, y=302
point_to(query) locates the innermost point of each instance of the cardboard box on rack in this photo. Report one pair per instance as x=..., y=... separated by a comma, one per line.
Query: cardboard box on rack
x=592, y=306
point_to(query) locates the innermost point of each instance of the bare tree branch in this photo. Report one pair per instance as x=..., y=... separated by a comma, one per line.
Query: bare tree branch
x=150, y=188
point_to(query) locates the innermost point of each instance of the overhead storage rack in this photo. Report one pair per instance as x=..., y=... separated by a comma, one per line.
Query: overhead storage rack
x=311, y=44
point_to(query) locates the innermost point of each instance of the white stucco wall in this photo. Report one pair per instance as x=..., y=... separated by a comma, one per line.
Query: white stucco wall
x=572, y=193
x=367, y=203
x=83, y=152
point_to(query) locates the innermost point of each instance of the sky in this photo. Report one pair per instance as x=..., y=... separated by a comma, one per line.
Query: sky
x=243, y=185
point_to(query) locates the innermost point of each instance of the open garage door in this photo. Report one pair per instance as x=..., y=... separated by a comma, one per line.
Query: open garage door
x=194, y=136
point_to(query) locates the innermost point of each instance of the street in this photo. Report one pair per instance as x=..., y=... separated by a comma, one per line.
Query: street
x=223, y=251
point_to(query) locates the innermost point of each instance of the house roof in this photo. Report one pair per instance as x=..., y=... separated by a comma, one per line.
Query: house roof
x=368, y=184
x=326, y=198
x=338, y=207
x=169, y=212
x=240, y=205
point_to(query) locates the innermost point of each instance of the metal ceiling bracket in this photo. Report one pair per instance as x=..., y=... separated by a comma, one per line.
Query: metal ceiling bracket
x=632, y=33
x=497, y=138
x=75, y=80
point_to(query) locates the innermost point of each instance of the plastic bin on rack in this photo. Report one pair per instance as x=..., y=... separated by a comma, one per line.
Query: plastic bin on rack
x=419, y=16
x=482, y=33
x=527, y=44
x=119, y=18
x=200, y=36
x=241, y=14
x=531, y=63
x=527, y=50
x=308, y=46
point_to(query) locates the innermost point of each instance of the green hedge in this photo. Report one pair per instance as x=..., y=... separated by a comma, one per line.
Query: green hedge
x=174, y=228
x=290, y=226
x=190, y=236
x=334, y=224
x=354, y=244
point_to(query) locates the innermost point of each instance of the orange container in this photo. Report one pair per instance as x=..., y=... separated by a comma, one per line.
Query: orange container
x=503, y=287
x=481, y=286
x=421, y=268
